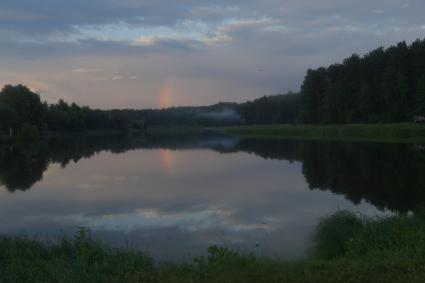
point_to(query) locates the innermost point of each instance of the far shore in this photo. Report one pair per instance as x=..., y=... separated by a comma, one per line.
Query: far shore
x=389, y=132
x=394, y=132
x=86, y=133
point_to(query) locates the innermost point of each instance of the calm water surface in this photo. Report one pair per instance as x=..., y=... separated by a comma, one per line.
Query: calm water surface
x=173, y=196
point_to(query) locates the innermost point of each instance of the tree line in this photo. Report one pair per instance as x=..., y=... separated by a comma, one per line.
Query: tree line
x=274, y=109
x=385, y=85
x=22, y=113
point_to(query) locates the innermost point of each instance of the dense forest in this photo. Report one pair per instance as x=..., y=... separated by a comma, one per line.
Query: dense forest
x=385, y=85
x=220, y=114
x=22, y=113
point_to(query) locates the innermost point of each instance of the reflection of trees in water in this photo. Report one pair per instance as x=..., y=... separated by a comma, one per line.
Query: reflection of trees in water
x=387, y=175
x=22, y=165
x=390, y=176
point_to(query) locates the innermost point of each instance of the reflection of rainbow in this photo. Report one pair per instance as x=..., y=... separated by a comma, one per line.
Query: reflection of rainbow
x=167, y=161
x=165, y=95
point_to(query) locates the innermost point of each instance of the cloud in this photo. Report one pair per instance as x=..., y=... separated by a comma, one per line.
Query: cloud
x=211, y=49
x=84, y=71
x=161, y=43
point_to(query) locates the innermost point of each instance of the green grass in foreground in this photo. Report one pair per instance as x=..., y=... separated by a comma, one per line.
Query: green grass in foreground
x=380, y=132
x=349, y=249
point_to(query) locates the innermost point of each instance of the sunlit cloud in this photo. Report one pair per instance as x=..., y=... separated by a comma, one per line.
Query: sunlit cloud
x=84, y=71
x=119, y=78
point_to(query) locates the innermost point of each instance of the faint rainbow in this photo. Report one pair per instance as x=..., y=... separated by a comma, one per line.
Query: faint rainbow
x=167, y=161
x=165, y=95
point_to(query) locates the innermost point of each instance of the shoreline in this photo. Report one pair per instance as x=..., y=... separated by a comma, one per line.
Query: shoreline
x=390, y=133
x=349, y=248
x=387, y=133
x=55, y=135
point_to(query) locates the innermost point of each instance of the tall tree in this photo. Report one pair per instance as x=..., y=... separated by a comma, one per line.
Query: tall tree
x=8, y=119
x=26, y=104
x=419, y=108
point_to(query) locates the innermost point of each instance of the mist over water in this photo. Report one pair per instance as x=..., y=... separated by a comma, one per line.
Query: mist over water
x=175, y=195
x=226, y=115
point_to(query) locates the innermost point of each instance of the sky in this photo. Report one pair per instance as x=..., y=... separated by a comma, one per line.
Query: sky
x=158, y=53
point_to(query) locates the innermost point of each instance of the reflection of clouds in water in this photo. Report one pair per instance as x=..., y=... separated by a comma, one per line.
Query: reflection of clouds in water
x=89, y=186
x=115, y=178
x=189, y=221
x=283, y=235
x=125, y=178
x=120, y=178
x=173, y=242
x=236, y=199
x=52, y=170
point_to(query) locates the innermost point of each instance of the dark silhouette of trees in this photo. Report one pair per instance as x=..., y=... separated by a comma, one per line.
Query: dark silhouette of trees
x=26, y=103
x=272, y=109
x=8, y=119
x=23, y=114
x=385, y=85
x=419, y=99
x=389, y=176
x=64, y=117
x=275, y=109
x=20, y=107
x=22, y=165
x=220, y=114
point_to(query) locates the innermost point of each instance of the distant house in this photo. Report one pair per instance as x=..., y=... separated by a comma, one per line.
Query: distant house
x=419, y=119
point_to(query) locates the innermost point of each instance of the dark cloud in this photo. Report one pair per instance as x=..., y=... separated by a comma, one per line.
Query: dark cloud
x=54, y=16
x=62, y=16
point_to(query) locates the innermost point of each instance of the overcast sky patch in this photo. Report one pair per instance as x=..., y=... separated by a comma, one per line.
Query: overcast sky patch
x=212, y=50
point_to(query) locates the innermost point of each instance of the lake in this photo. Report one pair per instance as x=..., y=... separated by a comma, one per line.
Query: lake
x=173, y=195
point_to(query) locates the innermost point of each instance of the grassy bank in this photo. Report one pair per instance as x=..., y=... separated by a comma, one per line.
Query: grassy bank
x=399, y=132
x=349, y=249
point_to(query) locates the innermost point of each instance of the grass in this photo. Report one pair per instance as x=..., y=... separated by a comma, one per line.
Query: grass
x=399, y=237
x=397, y=132
x=349, y=248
